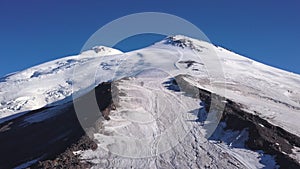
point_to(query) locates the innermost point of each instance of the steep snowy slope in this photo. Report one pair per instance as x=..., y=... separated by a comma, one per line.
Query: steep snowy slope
x=157, y=123
x=154, y=127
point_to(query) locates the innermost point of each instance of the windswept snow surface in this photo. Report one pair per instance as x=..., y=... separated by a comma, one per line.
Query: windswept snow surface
x=154, y=127
x=48, y=83
x=147, y=108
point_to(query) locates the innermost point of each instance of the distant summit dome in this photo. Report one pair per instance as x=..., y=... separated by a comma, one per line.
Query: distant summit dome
x=184, y=42
x=106, y=50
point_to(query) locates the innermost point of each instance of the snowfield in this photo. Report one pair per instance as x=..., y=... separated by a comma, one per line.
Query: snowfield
x=47, y=83
x=155, y=124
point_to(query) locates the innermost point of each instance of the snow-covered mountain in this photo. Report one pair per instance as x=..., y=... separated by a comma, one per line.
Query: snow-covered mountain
x=48, y=83
x=180, y=103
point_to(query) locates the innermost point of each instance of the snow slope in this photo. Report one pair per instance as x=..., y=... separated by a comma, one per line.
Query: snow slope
x=270, y=93
x=154, y=127
x=48, y=83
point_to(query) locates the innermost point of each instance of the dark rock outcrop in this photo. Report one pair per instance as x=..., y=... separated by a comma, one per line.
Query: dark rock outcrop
x=262, y=135
x=50, y=139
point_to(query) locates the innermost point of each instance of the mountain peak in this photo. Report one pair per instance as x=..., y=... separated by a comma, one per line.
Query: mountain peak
x=185, y=42
x=104, y=50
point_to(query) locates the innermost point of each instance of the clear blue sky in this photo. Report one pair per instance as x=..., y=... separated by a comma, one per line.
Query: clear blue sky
x=32, y=32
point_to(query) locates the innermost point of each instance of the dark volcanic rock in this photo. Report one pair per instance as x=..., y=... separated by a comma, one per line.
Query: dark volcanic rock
x=262, y=135
x=68, y=159
x=27, y=138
